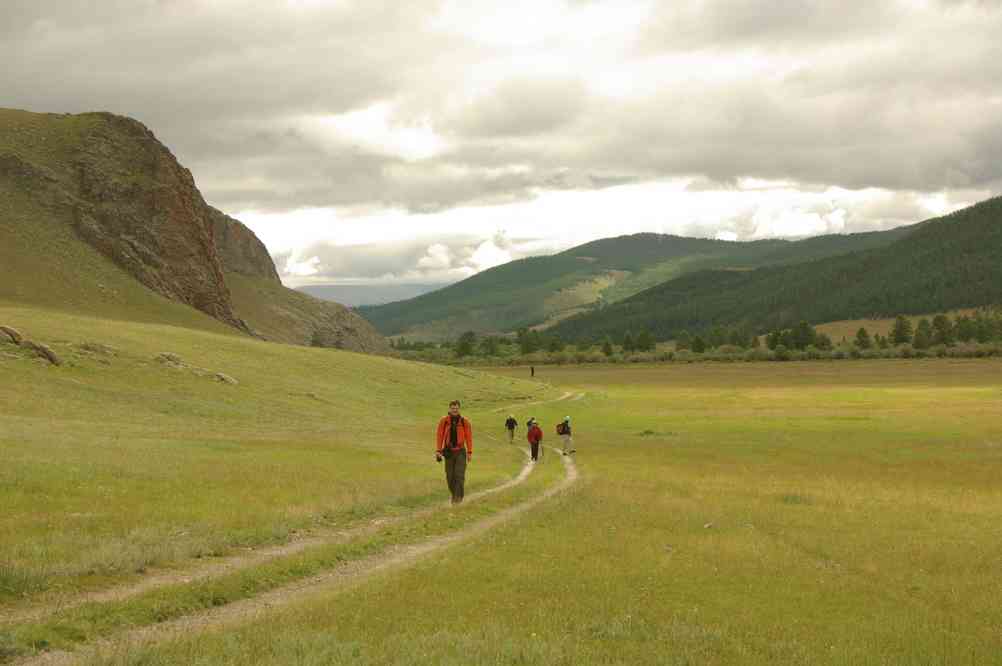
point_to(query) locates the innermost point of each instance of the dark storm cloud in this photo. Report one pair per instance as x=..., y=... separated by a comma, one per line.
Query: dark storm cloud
x=896, y=94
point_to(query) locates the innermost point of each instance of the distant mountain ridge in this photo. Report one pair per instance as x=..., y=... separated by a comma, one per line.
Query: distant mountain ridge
x=368, y=294
x=105, y=181
x=544, y=290
x=943, y=264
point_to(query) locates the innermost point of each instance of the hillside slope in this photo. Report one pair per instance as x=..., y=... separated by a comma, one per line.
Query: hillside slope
x=98, y=216
x=545, y=290
x=944, y=264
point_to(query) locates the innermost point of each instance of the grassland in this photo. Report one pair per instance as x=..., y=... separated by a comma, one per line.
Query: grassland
x=115, y=462
x=754, y=514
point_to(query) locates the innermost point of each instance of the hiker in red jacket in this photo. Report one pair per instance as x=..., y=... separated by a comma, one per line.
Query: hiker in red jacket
x=535, y=437
x=454, y=442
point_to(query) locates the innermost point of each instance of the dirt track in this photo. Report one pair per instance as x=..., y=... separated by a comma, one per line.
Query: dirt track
x=348, y=576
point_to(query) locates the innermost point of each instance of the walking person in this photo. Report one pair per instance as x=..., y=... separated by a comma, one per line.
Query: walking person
x=564, y=430
x=535, y=437
x=454, y=443
x=510, y=426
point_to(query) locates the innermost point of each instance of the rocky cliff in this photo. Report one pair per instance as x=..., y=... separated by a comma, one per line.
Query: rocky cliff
x=124, y=194
x=239, y=249
x=141, y=209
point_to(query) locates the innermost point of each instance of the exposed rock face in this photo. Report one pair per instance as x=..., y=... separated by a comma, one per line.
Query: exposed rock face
x=141, y=209
x=125, y=194
x=240, y=251
x=43, y=351
x=9, y=334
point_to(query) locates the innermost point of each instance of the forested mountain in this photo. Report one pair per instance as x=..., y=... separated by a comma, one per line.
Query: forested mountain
x=946, y=263
x=544, y=290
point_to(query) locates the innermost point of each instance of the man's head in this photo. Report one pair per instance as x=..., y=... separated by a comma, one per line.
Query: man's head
x=454, y=408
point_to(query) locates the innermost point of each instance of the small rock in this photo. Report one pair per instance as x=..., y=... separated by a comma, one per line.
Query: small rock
x=226, y=379
x=44, y=351
x=97, y=348
x=10, y=334
x=167, y=358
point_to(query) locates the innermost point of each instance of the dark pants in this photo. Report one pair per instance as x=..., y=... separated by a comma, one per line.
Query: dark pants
x=455, y=474
x=534, y=450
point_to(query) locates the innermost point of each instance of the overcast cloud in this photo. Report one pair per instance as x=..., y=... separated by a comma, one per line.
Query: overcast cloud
x=392, y=141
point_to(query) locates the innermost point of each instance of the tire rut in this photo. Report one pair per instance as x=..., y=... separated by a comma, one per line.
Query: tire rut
x=341, y=579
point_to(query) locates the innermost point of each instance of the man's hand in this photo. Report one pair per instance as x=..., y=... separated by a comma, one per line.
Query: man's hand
x=438, y=457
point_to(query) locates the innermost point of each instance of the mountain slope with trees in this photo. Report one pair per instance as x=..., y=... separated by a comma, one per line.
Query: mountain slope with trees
x=543, y=290
x=944, y=264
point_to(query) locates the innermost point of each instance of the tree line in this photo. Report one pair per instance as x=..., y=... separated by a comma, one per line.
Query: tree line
x=803, y=341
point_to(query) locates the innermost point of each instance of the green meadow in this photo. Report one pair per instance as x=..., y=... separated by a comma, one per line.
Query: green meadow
x=726, y=514
x=116, y=462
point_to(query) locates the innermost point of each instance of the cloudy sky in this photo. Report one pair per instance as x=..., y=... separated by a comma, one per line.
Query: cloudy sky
x=428, y=139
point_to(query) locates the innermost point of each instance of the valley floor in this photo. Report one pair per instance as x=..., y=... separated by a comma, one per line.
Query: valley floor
x=733, y=513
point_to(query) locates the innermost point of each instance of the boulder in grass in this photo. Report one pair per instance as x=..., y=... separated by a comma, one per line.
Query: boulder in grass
x=226, y=379
x=43, y=351
x=171, y=359
x=10, y=334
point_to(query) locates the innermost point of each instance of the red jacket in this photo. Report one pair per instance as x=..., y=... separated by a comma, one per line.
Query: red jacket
x=464, y=435
x=535, y=434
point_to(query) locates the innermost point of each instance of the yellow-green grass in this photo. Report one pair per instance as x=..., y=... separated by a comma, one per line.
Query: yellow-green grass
x=753, y=514
x=115, y=463
x=65, y=628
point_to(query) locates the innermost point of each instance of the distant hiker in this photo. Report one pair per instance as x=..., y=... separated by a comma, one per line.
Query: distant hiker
x=535, y=436
x=510, y=426
x=454, y=442
x=564, y=430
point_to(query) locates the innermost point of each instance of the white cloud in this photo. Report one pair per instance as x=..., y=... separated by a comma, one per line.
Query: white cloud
x=409, y=125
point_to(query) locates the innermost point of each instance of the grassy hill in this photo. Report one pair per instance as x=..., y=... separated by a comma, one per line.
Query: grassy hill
x=540, y=291
x=97, y=217
x=945, y=264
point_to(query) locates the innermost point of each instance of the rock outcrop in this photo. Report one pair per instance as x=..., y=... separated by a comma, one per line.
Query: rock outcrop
x=127, y=196
x=141, y=209
x=240, y=251
x=42, y=351
x=9, y=334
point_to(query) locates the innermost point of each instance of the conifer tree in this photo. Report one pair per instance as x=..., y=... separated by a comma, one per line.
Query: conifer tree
x=628, y=344
x=863, y=339
x=645, y=341
x=607, y=346
x=901, y=333
x=923, y=334
x=942, y=330
x=464, y=346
